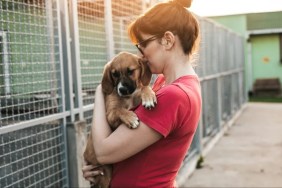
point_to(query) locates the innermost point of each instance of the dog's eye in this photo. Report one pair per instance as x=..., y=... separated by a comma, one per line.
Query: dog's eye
x=115, y=74
x=130, y=71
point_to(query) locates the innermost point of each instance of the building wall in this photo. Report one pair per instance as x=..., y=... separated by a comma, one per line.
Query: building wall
x=269, y=20
x=265, y=56
x=263, y=59
x=237, y=23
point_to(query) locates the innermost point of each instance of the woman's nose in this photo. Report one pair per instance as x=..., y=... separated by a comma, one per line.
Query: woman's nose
x=140, y=54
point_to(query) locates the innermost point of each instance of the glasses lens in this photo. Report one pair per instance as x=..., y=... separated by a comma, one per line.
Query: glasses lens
x=143, y=44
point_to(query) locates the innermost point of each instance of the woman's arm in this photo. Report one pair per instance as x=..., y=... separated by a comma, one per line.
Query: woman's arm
x=111, y=147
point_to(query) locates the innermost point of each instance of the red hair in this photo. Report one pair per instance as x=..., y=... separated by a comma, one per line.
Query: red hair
x=169, y=16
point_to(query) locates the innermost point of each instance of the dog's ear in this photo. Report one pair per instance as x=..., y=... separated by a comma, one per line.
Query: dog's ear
x=107, y=81
x=146, y=74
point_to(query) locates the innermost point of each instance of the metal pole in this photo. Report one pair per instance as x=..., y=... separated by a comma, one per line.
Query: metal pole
x=109, y=29
x=50, y=32
x=75, y=52
x=66, y=59
x=250, y=67
x=61, y=7
x=6, y=67
x=219, y=101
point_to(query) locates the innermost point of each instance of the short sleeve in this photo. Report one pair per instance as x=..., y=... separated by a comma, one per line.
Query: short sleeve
x=163, y=117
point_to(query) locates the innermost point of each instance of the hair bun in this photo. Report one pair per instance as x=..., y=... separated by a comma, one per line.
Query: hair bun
x=184, y=3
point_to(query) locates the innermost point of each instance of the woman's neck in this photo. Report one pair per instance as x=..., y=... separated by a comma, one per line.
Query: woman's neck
x=178, y=67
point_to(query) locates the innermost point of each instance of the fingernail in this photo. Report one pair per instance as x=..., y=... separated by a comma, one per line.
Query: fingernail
x=102, y=173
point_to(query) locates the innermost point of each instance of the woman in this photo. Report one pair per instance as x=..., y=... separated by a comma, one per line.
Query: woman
x=167, y=36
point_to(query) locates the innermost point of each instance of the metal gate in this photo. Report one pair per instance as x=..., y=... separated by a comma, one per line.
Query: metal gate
x=33, y=116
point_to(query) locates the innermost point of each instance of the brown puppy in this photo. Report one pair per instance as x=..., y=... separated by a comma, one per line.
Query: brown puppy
x=125, y=84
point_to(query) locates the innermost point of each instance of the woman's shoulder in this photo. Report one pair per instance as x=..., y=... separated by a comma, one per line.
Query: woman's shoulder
x=158, y=83
x=171, y=92
x=187, y=83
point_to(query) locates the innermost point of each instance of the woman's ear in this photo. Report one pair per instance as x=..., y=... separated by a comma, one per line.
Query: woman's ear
x=168, y=39
x=146, y=74
x=107, y=81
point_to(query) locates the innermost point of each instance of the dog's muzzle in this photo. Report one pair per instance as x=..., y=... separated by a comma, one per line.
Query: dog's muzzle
x=125, y=89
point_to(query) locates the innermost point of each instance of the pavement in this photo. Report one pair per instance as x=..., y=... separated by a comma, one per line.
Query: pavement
x=249, y=154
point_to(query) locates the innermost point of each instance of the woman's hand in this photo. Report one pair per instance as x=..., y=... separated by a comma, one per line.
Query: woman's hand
x=90, y=174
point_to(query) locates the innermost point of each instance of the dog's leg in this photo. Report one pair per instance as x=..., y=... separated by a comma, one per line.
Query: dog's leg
x=90, y=156
x=129, y=118
x=89, y=153
x=121, y=115
x=148, y=96
x=117, y=112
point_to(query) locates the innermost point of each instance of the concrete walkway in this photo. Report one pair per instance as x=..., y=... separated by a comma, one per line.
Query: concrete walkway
x=249, y=154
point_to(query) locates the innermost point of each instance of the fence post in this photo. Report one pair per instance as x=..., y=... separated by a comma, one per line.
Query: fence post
x=109, y=29
x=219, y=101
x=62, y=13
x=66, y=58
x=77, y=141
x=50, y=31
x=75, y=53
x=5, y=62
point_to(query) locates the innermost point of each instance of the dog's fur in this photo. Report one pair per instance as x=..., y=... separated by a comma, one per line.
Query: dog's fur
x=125, y=84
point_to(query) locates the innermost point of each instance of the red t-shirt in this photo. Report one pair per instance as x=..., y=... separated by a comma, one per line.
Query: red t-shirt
x=175, y=117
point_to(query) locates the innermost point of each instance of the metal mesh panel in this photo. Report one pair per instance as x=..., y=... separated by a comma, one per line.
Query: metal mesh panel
x=240, y=58
x=202, y=51
x=226, y=97
x=225, y=49
x=221, y=49
x=233, y=52
x=210, y=107
x=193, y=147
x=88, y=118
x=92, y=40
x=215, y=47
x=33, y=157
x=241, y=62
x=241, y=88
x=124, y=12
x=208, y=45
x=29, y=60
x=235, y=92
x=230, y=51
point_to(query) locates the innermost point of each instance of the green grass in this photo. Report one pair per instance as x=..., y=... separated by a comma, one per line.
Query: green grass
x=266, y=99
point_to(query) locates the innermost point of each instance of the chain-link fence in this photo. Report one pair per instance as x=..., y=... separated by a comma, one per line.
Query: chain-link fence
x=52, y=54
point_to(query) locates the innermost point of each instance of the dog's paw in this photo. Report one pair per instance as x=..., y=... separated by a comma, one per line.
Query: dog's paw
x=149, y=99
x=131, y=120
x=135, y=124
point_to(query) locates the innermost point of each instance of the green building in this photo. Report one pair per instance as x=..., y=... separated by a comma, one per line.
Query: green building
x=263, y=33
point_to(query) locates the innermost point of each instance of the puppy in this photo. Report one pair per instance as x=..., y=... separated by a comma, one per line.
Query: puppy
x=125, y=84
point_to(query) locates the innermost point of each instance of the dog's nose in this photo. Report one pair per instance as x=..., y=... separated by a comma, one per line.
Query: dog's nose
x=123, y=91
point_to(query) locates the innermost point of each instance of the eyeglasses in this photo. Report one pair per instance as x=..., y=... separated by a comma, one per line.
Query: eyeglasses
x=144, y=43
